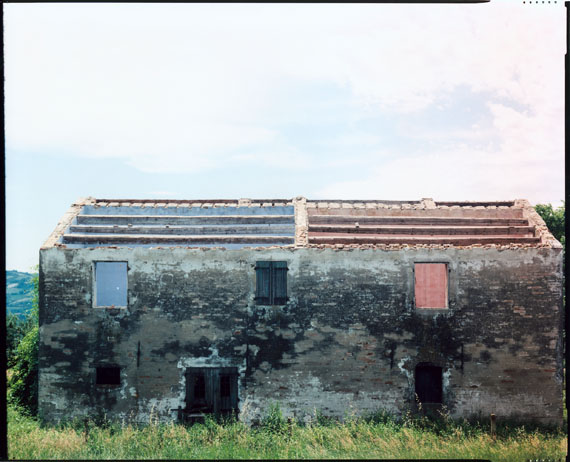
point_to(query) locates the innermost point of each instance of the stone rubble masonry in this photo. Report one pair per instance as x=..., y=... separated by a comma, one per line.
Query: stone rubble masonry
x=346, y=342
x=546, y=238
x=66, y=221
x=301, y=222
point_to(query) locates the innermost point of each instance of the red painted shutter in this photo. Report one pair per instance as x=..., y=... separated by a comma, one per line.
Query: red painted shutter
x=431, y=285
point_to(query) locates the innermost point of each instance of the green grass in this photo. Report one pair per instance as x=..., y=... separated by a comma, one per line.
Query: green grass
x=379, y=436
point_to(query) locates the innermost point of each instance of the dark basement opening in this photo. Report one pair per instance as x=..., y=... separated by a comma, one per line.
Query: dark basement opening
x=429, y=383
x=108, y=375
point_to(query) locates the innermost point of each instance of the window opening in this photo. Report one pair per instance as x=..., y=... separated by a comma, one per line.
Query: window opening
x=429, y=383
x=271, y=283
x=110, y=283
x=211, y=390
x=430, y=285
x=108, y=375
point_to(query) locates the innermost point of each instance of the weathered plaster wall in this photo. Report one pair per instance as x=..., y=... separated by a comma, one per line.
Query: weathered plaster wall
x=347, y=341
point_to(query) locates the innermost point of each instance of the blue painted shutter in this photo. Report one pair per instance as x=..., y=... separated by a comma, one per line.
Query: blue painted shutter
x=111, y=283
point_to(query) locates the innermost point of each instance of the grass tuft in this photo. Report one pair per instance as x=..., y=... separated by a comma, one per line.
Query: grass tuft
x=377, y=435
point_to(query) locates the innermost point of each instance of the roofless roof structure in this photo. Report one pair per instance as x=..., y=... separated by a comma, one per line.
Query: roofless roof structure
x=299, y=222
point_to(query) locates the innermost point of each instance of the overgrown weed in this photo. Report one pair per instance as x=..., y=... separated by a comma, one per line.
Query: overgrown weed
x=376, y=435
x=273, y=421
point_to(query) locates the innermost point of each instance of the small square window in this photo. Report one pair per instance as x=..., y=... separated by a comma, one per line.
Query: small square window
x=108, y=375
x=110, y=283
x=271, y=283
x=430, y=285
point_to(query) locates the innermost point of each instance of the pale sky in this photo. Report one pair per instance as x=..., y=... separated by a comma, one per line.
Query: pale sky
x=340, y=101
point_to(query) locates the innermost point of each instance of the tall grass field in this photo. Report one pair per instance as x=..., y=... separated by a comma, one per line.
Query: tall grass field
x=378, y=436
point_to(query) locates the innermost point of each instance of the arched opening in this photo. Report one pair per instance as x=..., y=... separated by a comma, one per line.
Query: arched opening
x=429, y=383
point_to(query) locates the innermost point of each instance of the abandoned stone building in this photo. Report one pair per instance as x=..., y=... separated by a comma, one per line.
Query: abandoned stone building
x=180, y=308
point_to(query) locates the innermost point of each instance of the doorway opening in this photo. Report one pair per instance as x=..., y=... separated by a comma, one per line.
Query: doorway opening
x=429, y=383
x=211, y=390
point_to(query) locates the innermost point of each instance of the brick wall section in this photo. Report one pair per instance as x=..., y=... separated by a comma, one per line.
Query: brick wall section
x=347, y=340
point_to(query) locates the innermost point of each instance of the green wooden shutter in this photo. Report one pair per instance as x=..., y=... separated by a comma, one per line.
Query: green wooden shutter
x=234, y=390
x=229, y=386
x=194, y=375
x=213, y=389
x=263, y=283
x=279, y=282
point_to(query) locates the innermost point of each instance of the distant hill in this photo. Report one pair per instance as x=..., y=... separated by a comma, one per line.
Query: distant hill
x=18, y=292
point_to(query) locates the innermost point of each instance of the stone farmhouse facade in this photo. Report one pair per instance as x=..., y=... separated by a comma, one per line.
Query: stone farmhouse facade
x=179, y=308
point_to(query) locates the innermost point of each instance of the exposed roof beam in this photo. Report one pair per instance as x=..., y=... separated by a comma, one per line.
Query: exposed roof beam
x=162, y=239
x=224, y=229
x=179, y=220
x=425, y=221
x=422, y=240
x=421, y=230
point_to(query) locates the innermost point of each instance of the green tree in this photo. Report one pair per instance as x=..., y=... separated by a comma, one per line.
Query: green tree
x=15, y=331
x=23, y=377
x=554, y=219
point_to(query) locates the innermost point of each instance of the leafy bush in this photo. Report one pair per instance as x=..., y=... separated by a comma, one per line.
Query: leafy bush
x=273, y=421
x=23, y=381
x=23, y=377
x=15, y=331
x=554, y=219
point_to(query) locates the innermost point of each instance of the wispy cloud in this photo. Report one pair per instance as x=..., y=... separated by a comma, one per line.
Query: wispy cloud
x=173, y=88
x=458, y=172
x=340, y=100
